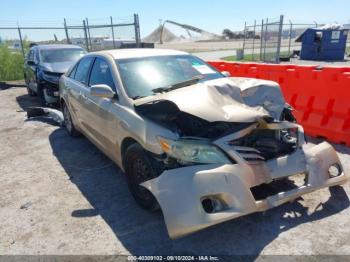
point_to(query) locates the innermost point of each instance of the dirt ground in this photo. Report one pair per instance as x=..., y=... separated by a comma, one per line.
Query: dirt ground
x=60, y=195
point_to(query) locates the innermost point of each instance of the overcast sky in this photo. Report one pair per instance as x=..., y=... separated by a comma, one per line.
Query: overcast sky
x=212, y=16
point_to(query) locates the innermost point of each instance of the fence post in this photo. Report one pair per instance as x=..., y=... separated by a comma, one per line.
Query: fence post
x=253, y=40
x=88, y=32
x=86, y=37
x=265, y=36
x=66, y=30
x=279, y=40
x=261, y=38
x=290, y=36
x=113, y=33
x=244, y=32
x=21, y=40
x=137, y=30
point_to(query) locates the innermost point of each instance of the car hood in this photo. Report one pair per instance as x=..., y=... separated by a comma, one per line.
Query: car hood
x=226, y=99
x=59, y=67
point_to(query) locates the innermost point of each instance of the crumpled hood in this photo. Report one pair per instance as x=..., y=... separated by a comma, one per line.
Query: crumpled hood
x=225, y=99
x=59, y=67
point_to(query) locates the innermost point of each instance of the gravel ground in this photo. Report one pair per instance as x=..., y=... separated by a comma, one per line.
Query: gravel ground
x=60, y=195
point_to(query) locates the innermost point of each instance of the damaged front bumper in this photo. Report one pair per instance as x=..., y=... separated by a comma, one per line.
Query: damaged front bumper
x=51, y=93
x=183, y=192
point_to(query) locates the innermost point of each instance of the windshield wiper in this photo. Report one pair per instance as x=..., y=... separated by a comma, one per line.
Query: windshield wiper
x=188, y=82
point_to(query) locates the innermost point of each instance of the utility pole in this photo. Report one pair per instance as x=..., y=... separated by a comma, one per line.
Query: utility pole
x=20, y=39
x=114, y=46
x=88, y=31
x=86, y=37
x=66, y=29
x=137, y=30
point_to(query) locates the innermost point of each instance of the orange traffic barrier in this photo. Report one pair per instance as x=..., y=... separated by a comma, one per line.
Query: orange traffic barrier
x=319, y=95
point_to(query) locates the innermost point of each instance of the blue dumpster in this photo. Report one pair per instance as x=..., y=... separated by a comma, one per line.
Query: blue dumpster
x=323, y=44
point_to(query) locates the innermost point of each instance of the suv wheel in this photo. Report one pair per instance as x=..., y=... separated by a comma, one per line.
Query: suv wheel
x=30, y=92
x=41, y=95
x=68, y=123
x=140, y=167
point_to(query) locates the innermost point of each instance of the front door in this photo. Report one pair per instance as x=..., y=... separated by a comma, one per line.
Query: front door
x=97, y=115
x=31, y=67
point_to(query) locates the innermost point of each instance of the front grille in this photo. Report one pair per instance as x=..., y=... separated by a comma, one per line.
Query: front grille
x=278, y=186
x=263, y=144
x=249, y=154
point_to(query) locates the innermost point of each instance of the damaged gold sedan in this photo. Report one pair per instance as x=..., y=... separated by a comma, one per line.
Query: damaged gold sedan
x=202, y=146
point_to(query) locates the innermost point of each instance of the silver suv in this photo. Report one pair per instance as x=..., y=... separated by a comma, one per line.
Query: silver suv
x=193, y=141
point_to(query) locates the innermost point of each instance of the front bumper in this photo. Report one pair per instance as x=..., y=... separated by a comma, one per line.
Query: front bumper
x=51, y=92
x=180, y=191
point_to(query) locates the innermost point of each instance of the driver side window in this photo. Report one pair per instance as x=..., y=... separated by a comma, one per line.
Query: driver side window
x=101, y=74
x=30, y=56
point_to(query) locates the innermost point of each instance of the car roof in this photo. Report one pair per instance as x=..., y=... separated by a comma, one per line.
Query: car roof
x=57, y=46
x=139, y=52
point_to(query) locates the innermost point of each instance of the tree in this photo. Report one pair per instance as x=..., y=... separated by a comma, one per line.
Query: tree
x=227, y=33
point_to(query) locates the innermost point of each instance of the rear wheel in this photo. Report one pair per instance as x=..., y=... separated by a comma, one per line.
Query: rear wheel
x=140, y=167
x=68, y=123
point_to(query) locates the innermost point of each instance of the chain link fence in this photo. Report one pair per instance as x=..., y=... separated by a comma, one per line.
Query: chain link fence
x=270, y=40
x=93, y=34
x=262, y=41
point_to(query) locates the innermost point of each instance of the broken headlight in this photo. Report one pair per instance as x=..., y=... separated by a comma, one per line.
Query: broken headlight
x=193, y=151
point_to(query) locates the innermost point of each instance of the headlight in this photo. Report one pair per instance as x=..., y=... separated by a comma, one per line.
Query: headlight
x=193, y=151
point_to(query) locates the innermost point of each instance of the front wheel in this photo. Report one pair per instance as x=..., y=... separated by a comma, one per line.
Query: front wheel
x=30, y=92
x=140, y=167
x=41, y=95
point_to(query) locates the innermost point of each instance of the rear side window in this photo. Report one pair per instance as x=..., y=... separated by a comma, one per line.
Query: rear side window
x=82, y=70
x=101, y=74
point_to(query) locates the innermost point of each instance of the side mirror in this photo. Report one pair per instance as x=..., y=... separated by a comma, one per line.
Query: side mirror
x=226, y=73
x=31, y=63
x=102, y=90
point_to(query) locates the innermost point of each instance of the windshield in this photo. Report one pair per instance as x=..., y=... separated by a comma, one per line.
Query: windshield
x=61, y=55
x=142, y=75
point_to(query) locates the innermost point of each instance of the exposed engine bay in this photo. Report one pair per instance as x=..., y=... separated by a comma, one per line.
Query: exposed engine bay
x=166, y=113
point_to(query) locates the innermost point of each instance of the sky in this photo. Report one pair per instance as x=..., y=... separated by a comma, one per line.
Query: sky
x=212, y=16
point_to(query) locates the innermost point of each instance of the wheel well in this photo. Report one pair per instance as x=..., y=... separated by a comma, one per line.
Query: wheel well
x=125, y=144
x=62, y=102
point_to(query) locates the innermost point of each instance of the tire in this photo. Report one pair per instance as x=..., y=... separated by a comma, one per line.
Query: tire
x=140, y=167
x=30, y=92
x=41, y=95
x=68, y=123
